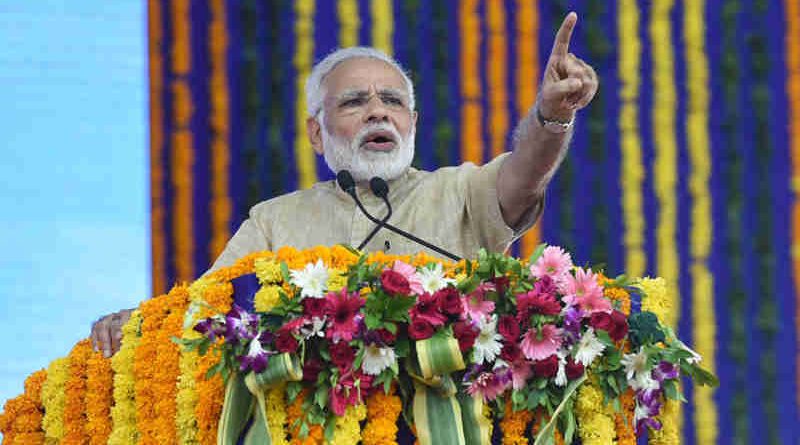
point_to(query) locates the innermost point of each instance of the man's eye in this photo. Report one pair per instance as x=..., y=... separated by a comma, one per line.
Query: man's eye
x=355, y=102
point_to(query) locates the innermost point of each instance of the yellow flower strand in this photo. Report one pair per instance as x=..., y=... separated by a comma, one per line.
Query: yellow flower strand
x=303, y=58
x=704, y=324
x=471, y=119
x=123, y=413
x=527, y=74
x=220, y=206
x=349, y=22
x=632, y=168
x=347, y=430
x=276, y=414
x=382, y=25
x=595, y=422
x=53, y=398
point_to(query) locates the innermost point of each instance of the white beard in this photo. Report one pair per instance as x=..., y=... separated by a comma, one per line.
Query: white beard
x=363, y=164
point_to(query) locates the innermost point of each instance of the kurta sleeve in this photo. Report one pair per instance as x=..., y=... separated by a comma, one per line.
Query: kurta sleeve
x=483, y=208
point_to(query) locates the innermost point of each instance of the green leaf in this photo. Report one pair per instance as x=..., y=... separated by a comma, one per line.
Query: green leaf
x=292, y=390
x=537, y=253
x=549, y=429
x=285, y=272
x=321, y=396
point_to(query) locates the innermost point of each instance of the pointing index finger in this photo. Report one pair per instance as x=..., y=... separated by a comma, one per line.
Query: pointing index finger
x=561, y=43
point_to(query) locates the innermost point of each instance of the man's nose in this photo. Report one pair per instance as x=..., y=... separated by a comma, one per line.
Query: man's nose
x=376, y=110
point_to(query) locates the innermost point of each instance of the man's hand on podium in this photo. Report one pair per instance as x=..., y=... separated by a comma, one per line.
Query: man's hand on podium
x=107, y=332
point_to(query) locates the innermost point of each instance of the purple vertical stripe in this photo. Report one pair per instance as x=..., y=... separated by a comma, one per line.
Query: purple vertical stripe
x=237, y=181
x=326, y=40
x=426, y=83
x=684, y=225
x=609, y=83
x=786, y=346
x=746, y=136
x=263, y=84
x=512, y=63
x=719, y=258
x=166, y=101
x=454, y=74
x=550, y=220
x=365, y=15
x=201, y=135
x=579, y=182
x=647, y=141
x=289, y=96
x=400, y=37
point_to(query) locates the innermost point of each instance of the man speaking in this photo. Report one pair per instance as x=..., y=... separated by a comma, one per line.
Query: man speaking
x=362, y=120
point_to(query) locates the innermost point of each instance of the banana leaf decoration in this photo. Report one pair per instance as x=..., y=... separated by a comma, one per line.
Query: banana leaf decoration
x=244, y=411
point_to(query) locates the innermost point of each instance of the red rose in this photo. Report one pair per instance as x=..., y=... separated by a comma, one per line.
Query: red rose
x=449, y=301
x=573, y=369
x=511, y=352
x=394, y=282
x=501, y=284
x=315, y=307
x=428, y=308
x=311, y=370
x=420, y=329
x=508, y=328
x=466, y=334
x=601, y=321
x=342, y=355
x=285, y=342
x=546, y=368
x=619, y=328
x=386, y=336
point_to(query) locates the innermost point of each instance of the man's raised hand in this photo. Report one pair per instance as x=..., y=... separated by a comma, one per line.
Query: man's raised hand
x=568, y=83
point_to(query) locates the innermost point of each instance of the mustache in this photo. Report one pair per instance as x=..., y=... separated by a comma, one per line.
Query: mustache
x=361, y=137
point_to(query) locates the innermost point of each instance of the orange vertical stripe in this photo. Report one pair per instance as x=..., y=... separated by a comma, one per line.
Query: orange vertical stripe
x=471, y=120
x=793, y=90
x=156, y=66
x=182, y=156
x=496, y=67
x=221, y=206
x=527, y=75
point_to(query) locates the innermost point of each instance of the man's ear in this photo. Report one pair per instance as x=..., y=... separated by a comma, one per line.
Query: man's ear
x=314, y=131
x=414, y=117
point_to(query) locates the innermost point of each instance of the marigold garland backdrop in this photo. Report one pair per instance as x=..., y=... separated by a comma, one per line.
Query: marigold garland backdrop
x=685, y=166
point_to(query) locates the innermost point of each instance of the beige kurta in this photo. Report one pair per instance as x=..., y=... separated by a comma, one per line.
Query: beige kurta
x=455, y=208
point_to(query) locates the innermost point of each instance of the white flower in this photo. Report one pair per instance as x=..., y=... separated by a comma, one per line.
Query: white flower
x=376, y=359
x=314, y=328
x=589, y=348
x=561, y=375
x=433, y=278
x=636, y=365
x=644, y=382
x=312, y=280
x=487, y=345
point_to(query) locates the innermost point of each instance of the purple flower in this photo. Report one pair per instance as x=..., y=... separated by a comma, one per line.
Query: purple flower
x=665, y=371
x=572, y=324
x=210, y=327
x=648, y=406
x=240, y=325
x=256, y=359
x=645, y=422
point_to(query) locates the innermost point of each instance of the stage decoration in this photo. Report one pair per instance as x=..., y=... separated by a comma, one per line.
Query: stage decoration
x=21, y=420
x=99, y=397
x=53, y=397
x=123, y=412
x=792, y=11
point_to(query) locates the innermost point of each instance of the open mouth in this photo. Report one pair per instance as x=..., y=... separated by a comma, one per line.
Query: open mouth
x=379, y=141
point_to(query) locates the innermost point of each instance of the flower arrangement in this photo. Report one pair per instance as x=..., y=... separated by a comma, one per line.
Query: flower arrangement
x=516, y=336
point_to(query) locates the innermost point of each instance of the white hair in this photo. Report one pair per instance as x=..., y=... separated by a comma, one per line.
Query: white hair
x=315, y=93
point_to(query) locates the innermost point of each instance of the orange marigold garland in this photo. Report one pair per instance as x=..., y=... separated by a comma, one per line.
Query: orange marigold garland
x=166, y=373
x=153, y=313
x=21, y=420
x=294, y=413
x=383, y=411
x=515, y=425
x=75, y=395
x=99, y=395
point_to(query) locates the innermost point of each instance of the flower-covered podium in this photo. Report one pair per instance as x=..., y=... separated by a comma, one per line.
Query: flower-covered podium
x=329, y=346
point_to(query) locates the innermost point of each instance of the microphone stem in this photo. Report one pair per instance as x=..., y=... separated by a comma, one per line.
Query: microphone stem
x=377, y=226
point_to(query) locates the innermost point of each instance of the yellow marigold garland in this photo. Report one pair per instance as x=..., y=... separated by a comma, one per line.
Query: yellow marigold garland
x=383, y=411
x=123, y=413
x=595, y=424
x=382, y=25
x=276, y=414
x=21, y=420
x=347, y=430
x=99, y=398
x=303, y=58
x=53, y=399
x=153, y=313
x=75, y=395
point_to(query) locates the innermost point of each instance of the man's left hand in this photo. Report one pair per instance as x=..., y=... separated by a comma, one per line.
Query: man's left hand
x=568, y=83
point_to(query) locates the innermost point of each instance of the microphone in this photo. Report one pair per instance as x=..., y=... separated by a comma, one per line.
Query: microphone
x=346, y=182
x=380, y=189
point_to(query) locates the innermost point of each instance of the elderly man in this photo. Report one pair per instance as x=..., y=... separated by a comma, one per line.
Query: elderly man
x=362, y=119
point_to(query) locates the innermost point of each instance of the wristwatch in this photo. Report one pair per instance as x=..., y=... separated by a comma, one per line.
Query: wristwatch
x=553, y=126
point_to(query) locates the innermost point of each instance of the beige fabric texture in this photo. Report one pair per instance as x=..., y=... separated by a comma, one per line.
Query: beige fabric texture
x=455, y=208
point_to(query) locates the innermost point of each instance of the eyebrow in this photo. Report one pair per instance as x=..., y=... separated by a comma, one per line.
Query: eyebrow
x=353, y=93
